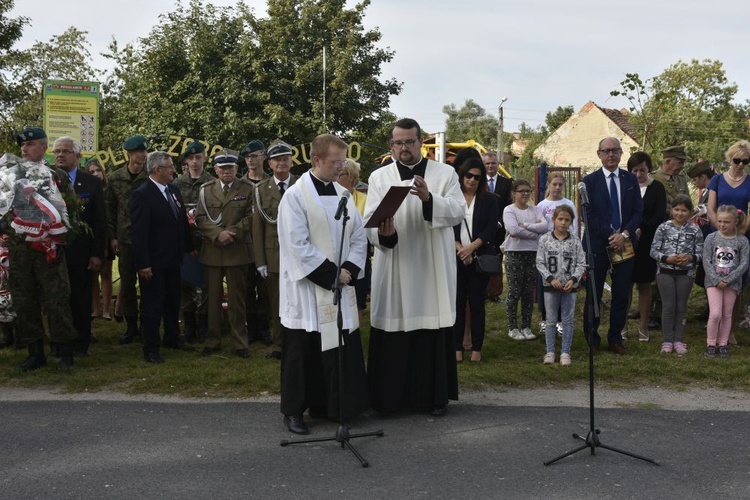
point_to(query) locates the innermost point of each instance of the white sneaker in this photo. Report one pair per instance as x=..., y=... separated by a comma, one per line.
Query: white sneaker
x=528, y=334
x=542, y=327
x=549, y=358
x=559, y=329
x=515, y=334
x=565, y=359
x=624, y=333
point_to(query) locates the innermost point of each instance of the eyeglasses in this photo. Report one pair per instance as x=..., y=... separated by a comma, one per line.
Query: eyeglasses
x=524, y=191
x=69, y=152
x=476, y=177
x=744, y=161
x=401, y=144
x=613, y=151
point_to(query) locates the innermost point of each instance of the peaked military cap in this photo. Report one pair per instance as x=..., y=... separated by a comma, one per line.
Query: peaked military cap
x=279, y=149
x=224, y=159
x=700, y=168
x=675, y=152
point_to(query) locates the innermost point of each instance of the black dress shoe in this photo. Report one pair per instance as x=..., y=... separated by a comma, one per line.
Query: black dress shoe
x=617, y=349
x=119, y=318
x=295, y=424
x=154, y=357
x=438, y=411
x=209, y=351
x=274, y=355
x=243, y=353
x=180, y=346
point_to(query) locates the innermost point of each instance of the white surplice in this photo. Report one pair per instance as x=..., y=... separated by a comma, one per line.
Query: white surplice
x=308, y=235
x=414, y=283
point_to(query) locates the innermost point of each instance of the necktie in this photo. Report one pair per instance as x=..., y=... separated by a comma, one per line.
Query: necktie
x=281, y=188
x=226, y=190
x=171, y=202
x=616, y=222
x=492, y=184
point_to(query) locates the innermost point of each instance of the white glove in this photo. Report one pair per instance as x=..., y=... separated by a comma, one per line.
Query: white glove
x=263, y=271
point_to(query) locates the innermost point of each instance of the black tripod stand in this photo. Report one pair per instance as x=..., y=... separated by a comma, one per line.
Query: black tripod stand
x=591, y=440
x=342, y=433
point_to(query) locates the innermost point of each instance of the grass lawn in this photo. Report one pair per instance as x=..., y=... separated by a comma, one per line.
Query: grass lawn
x=506, y=364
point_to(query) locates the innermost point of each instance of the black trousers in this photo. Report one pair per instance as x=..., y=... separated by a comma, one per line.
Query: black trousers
x=81, y=288
x=160, y=299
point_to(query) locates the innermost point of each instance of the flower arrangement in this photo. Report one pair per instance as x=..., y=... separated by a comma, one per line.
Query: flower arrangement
x=31, y=201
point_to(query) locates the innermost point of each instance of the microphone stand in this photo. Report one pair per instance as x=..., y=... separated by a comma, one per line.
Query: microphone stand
x=343, y=436
x=592, y=438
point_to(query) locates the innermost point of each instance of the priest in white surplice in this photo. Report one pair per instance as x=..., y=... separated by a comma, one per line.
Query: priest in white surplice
x=411, y=362
x=309, y=238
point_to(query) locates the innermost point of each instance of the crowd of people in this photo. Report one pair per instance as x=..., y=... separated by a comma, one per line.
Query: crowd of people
x=273, y=246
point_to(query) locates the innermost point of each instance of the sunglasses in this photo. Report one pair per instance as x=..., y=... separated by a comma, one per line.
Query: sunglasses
x=476, y=177
x=744, y=161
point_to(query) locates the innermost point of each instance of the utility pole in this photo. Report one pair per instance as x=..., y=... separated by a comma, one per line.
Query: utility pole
x=500, y=151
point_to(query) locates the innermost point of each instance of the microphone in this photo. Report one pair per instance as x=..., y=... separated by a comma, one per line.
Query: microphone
x=342, y=204
x=584, y=193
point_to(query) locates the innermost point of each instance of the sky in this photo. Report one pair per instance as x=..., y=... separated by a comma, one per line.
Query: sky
x=540, y=54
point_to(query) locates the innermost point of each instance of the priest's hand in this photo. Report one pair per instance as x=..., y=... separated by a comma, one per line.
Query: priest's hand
x=345, y=277
x=420, y=189
x=386, y=227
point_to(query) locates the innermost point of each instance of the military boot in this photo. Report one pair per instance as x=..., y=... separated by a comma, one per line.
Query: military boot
x=131, y=332
x=36, y=357
x=189, y=333
x=65, y=352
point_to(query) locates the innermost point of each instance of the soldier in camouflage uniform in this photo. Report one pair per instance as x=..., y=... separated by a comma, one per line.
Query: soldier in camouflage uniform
x=257, y=301
x=268, y=195
x=121, y=183
x=36, y=282
x=193, y=298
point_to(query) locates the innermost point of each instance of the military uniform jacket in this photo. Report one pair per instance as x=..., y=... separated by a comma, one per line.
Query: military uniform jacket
x=117, y=200
x=235, y=212
x=189, y=189
x=265, y=234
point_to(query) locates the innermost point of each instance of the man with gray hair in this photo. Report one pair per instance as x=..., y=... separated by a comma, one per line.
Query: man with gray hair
x=83, y=255
x=160, y=234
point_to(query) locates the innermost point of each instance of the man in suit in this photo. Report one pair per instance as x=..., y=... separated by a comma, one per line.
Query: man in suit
x=160, y=234
x=224, y=218
x=614, y=213
x=502, y=187
x=268, y=195
x=85, y=254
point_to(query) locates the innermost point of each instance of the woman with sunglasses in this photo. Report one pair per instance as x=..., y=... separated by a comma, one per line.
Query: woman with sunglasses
x=524, y=224
x=474, y=236
x=733, y=186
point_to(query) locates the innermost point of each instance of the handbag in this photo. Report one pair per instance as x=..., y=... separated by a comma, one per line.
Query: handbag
x=484, y=264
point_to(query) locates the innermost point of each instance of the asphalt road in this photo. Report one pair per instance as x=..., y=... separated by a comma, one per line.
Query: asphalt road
x=155, y=449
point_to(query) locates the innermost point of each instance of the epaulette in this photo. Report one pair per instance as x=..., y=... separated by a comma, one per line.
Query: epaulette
x=208, y=183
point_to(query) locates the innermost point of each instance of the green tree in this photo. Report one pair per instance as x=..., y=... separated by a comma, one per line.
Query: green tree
x=63, y=57
x=470, y=121
x=689, y=104
x=233, y=76
x=11, y=30
x=535, y=136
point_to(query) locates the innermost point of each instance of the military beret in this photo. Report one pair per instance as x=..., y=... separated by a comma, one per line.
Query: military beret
x=193, y=148
x=700, y=168
x=675, y=152
x=254, y=145
x=224, y=160
x=135, y=143
x=30, y=134
x=279, y=149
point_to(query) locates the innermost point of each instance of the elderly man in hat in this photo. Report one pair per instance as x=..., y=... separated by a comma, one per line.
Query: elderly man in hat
x=39, y=280
x=120, y=185
x=225, y=218
x=257, y=300
x=193, y=293
x=268, y=195
x=670, y=173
